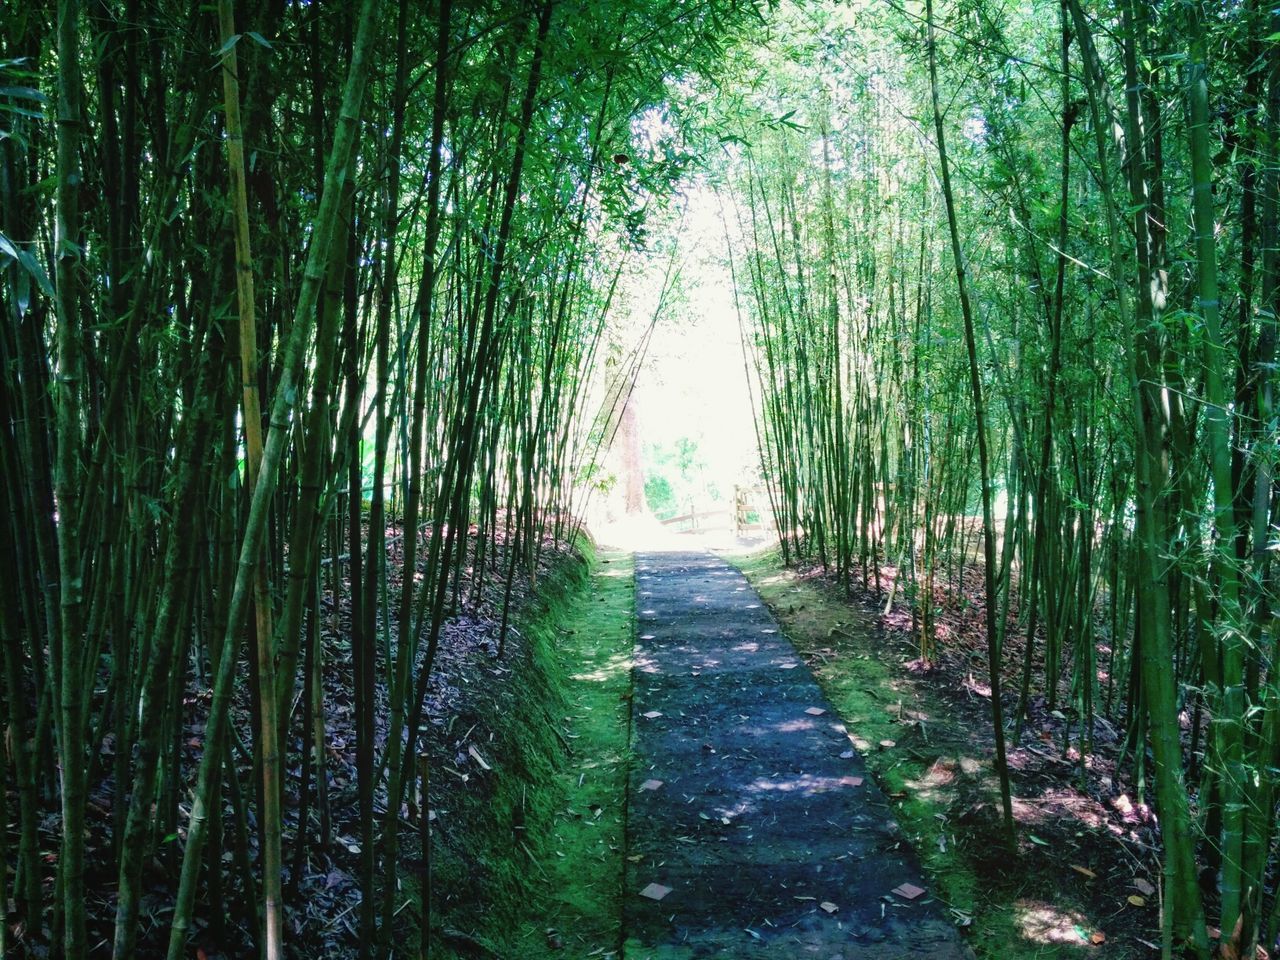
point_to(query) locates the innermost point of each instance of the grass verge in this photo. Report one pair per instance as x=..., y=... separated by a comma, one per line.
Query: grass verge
x=534, y=868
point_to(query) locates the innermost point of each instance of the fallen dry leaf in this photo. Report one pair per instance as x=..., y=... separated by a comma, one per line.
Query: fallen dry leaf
x=908, y=891
x=652, y=714
x=1137, y=901
x=1143, y=887
x=815, y=711
x=655, y=891
x=828, y=906
x=1232, y=948
x=1084, y=871
x=474, y=754
x=1097, y=937
x=650, y=785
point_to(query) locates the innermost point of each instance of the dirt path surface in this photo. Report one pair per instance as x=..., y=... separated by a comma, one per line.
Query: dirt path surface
x=750, y=814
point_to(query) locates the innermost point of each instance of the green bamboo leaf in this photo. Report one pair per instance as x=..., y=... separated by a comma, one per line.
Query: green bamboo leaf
x=24, y=93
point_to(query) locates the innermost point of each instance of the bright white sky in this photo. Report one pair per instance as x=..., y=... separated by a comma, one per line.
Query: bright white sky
x=694, y=384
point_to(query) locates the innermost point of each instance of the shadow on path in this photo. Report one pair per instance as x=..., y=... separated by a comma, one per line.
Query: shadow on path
x=750, y=816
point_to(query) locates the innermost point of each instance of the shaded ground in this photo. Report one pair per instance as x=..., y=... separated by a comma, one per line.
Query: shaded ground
x=529, y=854
x=751, y=817
x=1083, y=878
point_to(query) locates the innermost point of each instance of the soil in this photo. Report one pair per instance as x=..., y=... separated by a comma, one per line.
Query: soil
x=751, y=816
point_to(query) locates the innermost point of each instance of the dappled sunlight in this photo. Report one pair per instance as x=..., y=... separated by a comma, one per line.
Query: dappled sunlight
x=1045, y=923
x=804, y=784
x=1059, y=805
x=942, y=774
x=645, y=663
x=794, y=726
x=739, y=809
x=615, y=666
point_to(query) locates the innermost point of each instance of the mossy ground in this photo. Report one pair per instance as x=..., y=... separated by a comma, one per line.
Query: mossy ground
x=938, y=772
x=537, y=864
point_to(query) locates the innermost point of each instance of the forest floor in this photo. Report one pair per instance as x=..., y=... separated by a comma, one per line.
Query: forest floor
x=754, y=829
x=1083, y=878
x=527, y=760
x=537, y=856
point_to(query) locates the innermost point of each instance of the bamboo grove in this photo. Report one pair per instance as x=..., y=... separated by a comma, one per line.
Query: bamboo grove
x=1020, y=265
x=304, y=341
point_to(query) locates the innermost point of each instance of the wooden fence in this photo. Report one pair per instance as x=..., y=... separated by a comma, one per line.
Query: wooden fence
x=750, y=515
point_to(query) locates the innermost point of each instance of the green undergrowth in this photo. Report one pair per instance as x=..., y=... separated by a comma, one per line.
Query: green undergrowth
x=932, y=763
x=534, y=868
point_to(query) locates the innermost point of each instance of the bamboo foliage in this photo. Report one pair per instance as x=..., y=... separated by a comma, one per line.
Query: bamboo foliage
x=1053, y=359
x=363, y=301
x=360, y=302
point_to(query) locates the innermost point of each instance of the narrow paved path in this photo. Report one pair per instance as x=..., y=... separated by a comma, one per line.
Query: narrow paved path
x=754, y=828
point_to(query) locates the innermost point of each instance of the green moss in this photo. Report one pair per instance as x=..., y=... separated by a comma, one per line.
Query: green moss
x=583, y=807
x=535, y=867
x=865, y=681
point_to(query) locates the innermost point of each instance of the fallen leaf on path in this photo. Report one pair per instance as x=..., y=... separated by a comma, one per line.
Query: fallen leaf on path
x=828, y=906
x=847, y=755
x=1084, y=871
x=650, y=785
x=815, y=711
x=1143, y=887
x=1097, y=937
x=655, y=891
x=908, y=891
x=652, y=714
x=1137, y=901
